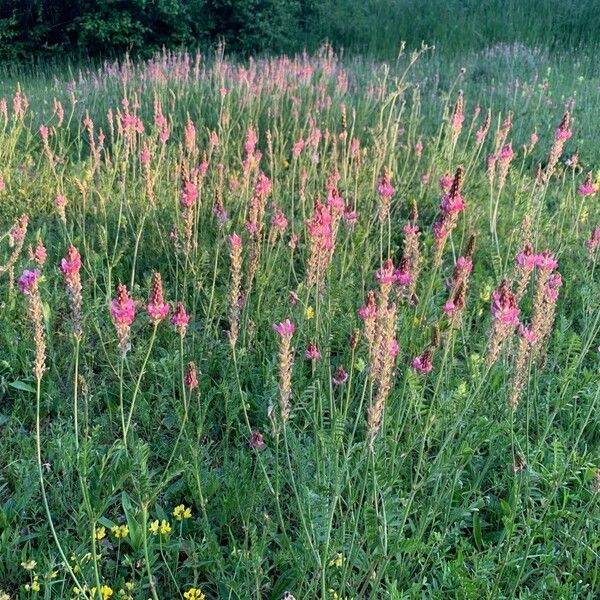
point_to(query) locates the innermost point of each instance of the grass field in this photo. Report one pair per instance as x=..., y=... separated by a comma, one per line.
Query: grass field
x=301, y=327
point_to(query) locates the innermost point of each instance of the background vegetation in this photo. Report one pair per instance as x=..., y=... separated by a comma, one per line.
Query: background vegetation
x=100, y=27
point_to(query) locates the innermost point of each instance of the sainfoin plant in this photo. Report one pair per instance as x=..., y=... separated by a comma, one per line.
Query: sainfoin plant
x=249, y=347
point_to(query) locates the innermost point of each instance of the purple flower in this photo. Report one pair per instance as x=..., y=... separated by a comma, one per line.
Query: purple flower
x=28, y=280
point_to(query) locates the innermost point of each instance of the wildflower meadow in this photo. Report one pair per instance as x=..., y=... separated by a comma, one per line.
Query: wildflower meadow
x=301, y=327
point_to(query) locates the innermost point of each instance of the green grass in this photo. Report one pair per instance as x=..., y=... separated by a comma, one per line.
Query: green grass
x=459, y=496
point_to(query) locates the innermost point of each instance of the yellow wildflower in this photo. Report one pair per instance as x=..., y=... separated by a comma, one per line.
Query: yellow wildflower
x=338, y=561
x=486, y=293
x=34, y=586
x=194, y=594
x=4, y=595
x=309, y=313
x=105, y=591
x=165, y=527
x=29, y=565
x=180, y=512
x=120, y=531
x=100, y=533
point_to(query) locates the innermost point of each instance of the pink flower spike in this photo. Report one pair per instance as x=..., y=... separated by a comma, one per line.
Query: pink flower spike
x=445, y=182
x=180, y=319
x=235, y=241
x=422, y=364
x=286, y=328
x=504, y=306
x=449, y=307
x=122, y=308
x=40, y=254
x=157, y=308
x=189, y=194
x=312, y=352
x=385, y=275
x=71, y=264
x=587, y=188
x=546, y=261
x=527, y=333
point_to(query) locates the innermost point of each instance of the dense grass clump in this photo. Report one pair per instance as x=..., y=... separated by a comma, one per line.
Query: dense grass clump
x=301, y=327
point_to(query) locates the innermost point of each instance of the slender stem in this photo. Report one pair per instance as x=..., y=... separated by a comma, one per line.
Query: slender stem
x=38, y=440
x=138, y=383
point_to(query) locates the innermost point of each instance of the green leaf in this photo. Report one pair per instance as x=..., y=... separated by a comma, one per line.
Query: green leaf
x=21, y=385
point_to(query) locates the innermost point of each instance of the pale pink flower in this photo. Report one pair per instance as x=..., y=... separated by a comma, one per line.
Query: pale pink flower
x=122, y=308
x=279, y=221
x=286, y=328
x=423, y=364
x=189, y=194
x=180, y=319
x=312, y=352
x=527, y=333
x=445, y=181
x=40, y=254
x=386, y=275
x=504, y=306
x=587, y=188
x=71, y=264
x=235, y=241
x=350, y=216
x=546, y=261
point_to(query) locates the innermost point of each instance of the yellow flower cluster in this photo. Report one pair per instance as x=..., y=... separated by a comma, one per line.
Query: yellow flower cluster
x=105, y=591
x=100, y=533
x=194, y=594
x=120, y=531
x=124, y=594
x=163, y=527
x=182, y=512
x=4, y=595
x=34, y=586
x=337, y=561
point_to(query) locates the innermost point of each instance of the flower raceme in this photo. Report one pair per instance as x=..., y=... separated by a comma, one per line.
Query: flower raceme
x=235, y=257
x=28, y=284
x=191, y=376
x=70, y=266
x=157, y=308
x=385, y=191
x=505, y=313
x=312, y=352
x=180, y=319
x=28, y=281
x=451, y=206
x=587, y=188
x=285, y=330
x=122, y=310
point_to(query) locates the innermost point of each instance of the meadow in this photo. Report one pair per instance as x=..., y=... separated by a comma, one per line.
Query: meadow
x=301, y=327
